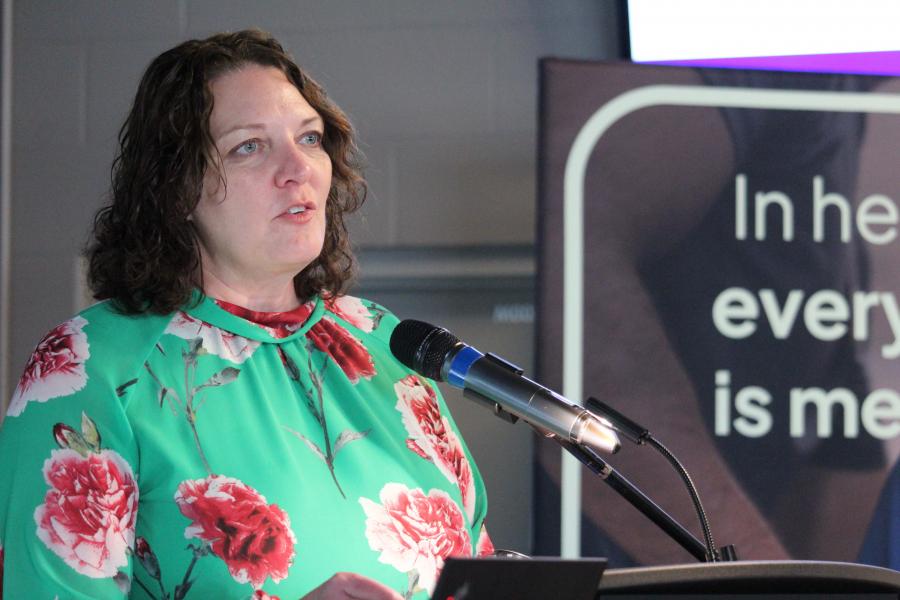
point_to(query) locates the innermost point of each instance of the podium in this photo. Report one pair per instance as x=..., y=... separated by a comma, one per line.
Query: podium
x=544, y=578
x=752, y=579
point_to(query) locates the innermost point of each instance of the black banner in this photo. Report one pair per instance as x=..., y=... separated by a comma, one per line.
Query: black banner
x=741, y=273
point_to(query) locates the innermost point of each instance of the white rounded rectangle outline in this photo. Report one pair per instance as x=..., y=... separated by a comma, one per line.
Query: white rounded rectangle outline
x=573, y=230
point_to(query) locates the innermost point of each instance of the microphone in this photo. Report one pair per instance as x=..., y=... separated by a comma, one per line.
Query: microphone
x=437, y=354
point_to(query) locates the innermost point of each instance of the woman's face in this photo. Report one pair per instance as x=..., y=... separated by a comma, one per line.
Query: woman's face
x=267, y=221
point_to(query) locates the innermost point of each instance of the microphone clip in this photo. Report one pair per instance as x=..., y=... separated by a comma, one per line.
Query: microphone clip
x=631, y=430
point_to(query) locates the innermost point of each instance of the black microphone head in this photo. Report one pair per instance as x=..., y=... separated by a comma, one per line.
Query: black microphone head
x=422, y=347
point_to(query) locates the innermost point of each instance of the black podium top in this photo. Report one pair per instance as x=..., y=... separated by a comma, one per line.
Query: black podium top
x=752, y=577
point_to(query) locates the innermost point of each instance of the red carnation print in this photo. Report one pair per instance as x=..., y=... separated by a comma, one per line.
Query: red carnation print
x=353, y=311
x=347, y=351
x=431, y=437
x=458, y=463
x=89, y=512
x=253, y=538
x=414, y=446
x=56, y=367
x=223, y=344
x=415, y=533
x=261, y=595
x=485, y=546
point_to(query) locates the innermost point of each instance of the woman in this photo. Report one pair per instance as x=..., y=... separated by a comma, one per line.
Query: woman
x=226, y=423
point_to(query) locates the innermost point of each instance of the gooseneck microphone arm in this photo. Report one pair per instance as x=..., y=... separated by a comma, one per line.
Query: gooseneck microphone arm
x=641, y=435
x=638, y=499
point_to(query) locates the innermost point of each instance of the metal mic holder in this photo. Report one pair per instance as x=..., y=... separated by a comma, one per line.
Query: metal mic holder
x=638, y=499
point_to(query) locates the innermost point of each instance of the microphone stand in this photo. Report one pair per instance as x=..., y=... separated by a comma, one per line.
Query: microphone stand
x=641, y=435
x=638, y=499
x=613, y=478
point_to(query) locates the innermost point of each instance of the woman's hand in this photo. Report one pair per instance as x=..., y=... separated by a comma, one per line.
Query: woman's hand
x=351, y=586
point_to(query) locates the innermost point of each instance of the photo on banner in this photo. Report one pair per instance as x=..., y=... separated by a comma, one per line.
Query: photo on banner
x=741, y=300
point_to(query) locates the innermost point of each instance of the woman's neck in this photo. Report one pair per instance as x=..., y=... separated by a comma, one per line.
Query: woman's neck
x=276, y=296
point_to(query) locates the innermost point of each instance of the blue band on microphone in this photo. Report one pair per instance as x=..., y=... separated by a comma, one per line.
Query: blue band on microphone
x=459, y=367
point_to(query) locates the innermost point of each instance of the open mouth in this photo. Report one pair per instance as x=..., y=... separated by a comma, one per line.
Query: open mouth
x=296, y=210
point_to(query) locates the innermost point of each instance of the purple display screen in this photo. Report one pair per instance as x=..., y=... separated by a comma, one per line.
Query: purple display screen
x=865, y=63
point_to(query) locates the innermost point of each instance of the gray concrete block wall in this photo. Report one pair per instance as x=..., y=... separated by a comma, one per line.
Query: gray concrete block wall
x=443, y=94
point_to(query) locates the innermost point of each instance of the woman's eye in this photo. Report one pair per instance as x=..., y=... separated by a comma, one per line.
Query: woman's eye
x=311, y=139
x=248, y=147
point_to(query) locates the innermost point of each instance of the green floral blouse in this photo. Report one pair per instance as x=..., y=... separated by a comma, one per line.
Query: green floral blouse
x=207, y=455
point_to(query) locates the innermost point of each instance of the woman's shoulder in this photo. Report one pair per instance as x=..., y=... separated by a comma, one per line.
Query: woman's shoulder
x=107, y=312
x=112, y=324
x=98, y=344
x=109, y=335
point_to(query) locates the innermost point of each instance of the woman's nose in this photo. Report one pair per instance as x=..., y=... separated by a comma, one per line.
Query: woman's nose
x=294, y=166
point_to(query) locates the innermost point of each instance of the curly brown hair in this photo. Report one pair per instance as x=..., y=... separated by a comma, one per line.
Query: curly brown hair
x=145, y=253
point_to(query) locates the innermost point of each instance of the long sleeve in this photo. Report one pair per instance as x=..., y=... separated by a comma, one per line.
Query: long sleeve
x=68, y=505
